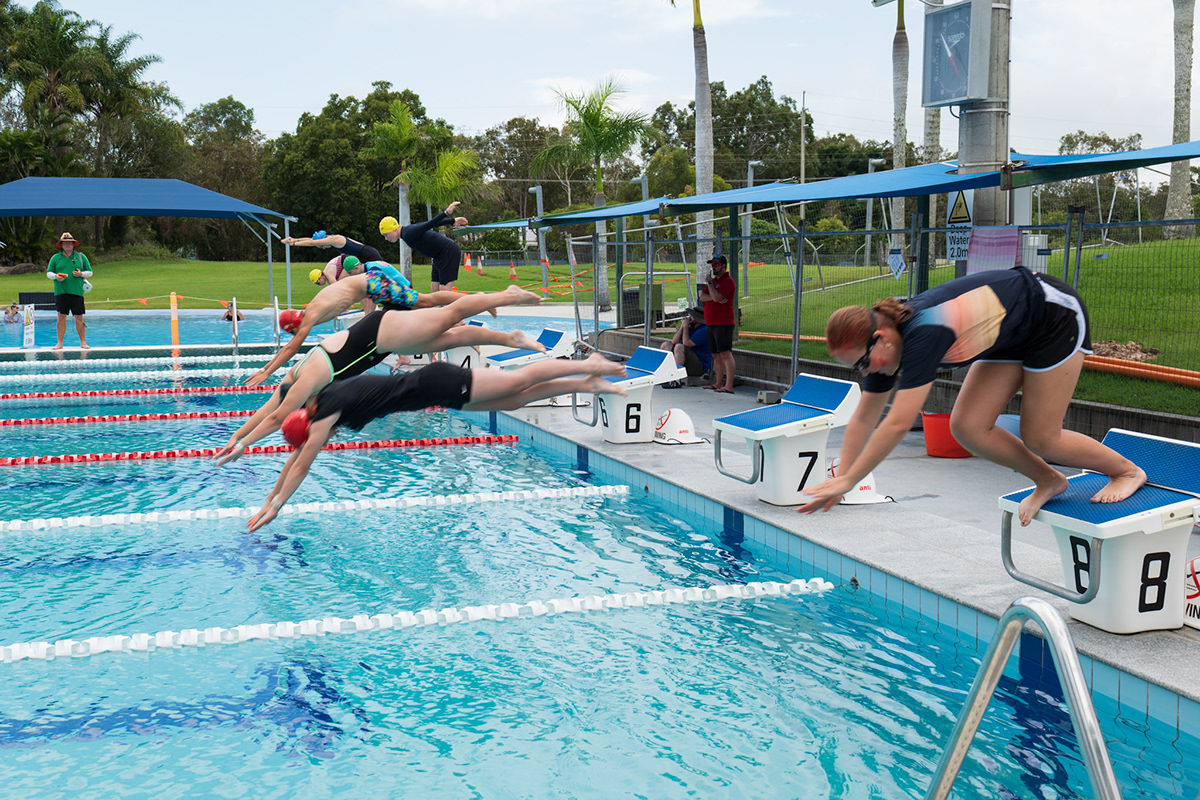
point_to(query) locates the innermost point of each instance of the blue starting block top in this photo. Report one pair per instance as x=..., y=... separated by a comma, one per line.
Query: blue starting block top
x=647, y=367
x=822, y=393
x=1167, y=462
x=1076, y=501
x=555, y=343
x=760, y=419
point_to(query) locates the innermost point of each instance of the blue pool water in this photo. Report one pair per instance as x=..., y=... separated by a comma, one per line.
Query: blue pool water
x=125, y=328
x=841, y=695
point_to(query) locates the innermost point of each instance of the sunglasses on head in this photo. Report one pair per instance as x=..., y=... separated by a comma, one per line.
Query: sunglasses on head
x=865, y=361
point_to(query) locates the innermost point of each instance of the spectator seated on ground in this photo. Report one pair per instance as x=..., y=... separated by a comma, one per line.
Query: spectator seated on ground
x=690, y=347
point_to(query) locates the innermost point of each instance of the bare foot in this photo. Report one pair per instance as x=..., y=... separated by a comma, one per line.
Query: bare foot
x=1041, y=495
x=57, y=346
x=83, y=346
x=523, y=342
x=1121, y=486
x=520, y=297
x=597, y=385
x=596, y=364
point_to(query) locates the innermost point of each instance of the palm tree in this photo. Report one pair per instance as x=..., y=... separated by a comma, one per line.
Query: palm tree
x=51, y=60
x=451, y=178
x=1179, y=191
x=398, y=139
x=704, y=141
x=597, y=132
x=899, y=112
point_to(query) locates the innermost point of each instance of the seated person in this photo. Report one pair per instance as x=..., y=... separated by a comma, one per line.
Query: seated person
x=690, y=346
x=356, y=401
x=358, y=348
x=13, y=314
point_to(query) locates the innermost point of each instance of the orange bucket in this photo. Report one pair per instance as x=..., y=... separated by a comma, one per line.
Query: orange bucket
x=939, y=442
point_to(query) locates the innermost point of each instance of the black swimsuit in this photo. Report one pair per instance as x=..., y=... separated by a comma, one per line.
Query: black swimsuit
x=359, y=352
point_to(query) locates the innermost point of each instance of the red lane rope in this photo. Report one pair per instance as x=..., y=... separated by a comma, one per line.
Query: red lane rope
x=208, y=452
x=127, y=392
x=126, y=418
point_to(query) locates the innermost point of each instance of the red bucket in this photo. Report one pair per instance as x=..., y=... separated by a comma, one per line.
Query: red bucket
x=939, y=442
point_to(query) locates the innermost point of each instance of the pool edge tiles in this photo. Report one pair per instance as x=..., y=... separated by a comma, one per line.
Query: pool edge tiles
x=1120, y=682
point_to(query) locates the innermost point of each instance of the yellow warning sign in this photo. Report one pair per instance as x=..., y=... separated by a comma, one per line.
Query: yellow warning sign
x=960, y=213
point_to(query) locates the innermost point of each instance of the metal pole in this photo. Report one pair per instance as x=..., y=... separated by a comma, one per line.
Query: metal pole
x=1067, y=244
x=747, y=228
x=647, y=290
x=922, y=244
x=536, y=191
x=1078, y=250
x=983, y=125
x=872, y=163
x=803, y=137
x=287, y=259
x=912, y=255
x=619, y=266
x=798, y=283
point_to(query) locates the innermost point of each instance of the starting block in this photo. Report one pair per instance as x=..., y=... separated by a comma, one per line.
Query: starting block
x=558, y=344
x=1144, y=538
x=787, y=441
x=465, y=357
x=630, y=418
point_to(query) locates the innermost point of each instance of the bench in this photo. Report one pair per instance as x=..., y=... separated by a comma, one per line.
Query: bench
x=1144, y=538
x=787, y=441
x=630, y=419
x=41, y=301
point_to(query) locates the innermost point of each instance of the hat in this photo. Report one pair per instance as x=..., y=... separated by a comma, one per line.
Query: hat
x=719, y=260
x=696, y=312
x=290, y=320
x=675, y=427
x=388, y=224
x=315, y=275
x=66, y=237
x=295, y=428
x=350, y=262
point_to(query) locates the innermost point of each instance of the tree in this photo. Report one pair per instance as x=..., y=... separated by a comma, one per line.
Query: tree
x=599, y=133
x=397, y=140
x=52, y=60
x=1179, y=193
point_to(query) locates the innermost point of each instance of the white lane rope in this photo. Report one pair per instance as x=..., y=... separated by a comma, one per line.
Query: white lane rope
x=302, y=509
x=361, y=623
x=132, y=376
x=74, y=364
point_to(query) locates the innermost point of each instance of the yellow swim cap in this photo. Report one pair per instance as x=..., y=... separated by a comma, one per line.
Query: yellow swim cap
x=315, y=275
x=388, y=224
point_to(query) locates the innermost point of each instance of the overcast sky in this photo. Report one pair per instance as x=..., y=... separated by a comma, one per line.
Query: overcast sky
x=1090, y=64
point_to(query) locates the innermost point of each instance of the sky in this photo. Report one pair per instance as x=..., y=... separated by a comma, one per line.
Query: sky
x=1096, y=65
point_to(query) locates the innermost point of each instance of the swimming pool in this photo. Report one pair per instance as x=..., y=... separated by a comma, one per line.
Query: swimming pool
x=840, y=695
x=125, y=328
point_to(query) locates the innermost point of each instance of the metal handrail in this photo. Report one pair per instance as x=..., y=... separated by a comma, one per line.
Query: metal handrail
x=1046, y=586
x=756, y=460
x=1070, y=677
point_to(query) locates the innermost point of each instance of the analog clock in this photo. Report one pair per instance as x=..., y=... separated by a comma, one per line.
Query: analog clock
x=950, y=76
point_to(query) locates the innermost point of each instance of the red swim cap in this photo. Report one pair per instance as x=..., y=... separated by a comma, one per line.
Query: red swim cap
x=290, y=320
x=295, y=428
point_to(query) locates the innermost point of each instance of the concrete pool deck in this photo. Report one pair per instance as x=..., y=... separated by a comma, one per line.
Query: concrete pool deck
x=942, y=533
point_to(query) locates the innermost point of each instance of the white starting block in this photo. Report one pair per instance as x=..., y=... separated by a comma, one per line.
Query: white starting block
x=630, y=418
x=558, y=344
x=787, y=441
x=1144, y=538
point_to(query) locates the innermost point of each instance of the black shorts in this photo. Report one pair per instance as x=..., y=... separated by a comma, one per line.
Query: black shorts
x=720, y=338
x=1064, y=331
x=446, y=263
x=443, y=384
x=69, y=304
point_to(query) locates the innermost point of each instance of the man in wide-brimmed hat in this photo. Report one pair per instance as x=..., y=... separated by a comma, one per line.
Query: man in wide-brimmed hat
x=69, y=269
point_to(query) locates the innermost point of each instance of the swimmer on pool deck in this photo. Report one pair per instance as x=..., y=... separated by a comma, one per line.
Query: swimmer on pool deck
x=380, y=282
x=354, y=402
x=360, y=347
x=443, y=251
x=1018, y=331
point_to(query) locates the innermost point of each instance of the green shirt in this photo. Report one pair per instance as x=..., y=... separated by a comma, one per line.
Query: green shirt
x=61, y=263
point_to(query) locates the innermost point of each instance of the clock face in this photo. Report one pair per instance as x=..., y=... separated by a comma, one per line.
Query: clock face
x=947, y=55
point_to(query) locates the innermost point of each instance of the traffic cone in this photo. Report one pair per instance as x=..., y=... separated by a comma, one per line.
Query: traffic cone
x=467, y=261
x=479, y=267
x=512, y=270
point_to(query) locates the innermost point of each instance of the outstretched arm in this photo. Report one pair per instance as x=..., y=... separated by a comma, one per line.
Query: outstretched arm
x=284, y=355
x=332, y=240
x=249, y=425
x=294, y=472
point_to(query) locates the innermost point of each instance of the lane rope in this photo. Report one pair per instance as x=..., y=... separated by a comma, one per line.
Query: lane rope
x=209, y=452
x=131, y=392
x=361, y=623
x=75, y=363
x=303, y=509
x=143, y=375
x=127, y=417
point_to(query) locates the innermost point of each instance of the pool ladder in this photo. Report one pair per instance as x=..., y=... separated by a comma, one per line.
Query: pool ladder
x=1070, y=676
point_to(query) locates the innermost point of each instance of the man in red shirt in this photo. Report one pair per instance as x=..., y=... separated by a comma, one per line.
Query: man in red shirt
x=718, y=298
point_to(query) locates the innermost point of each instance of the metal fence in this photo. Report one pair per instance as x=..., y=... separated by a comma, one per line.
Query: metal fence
x=1140, y=281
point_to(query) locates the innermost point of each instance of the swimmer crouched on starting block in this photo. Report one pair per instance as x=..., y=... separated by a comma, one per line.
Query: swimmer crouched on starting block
x=356, y=349
x=354, y=402
x=380, y=282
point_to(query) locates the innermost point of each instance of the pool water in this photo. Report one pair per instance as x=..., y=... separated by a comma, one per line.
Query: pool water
x=126, y=328
x=840, y=695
